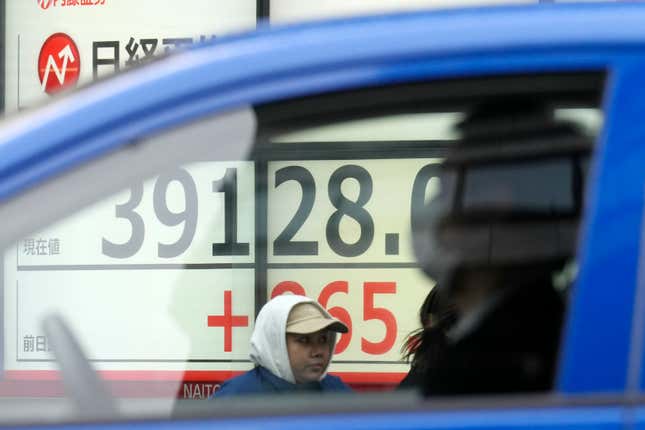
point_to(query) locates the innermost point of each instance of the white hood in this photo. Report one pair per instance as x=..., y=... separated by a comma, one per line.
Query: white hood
x=269, y=340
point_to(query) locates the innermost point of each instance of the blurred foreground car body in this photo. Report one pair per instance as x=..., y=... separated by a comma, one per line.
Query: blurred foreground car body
x=280, y=108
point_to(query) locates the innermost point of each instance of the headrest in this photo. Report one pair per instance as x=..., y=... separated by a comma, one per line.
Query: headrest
x=510, y=194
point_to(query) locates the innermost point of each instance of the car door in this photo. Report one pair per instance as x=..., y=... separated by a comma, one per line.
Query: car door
x=325, y=194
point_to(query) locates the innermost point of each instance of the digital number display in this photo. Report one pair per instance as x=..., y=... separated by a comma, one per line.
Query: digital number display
x=173, y=264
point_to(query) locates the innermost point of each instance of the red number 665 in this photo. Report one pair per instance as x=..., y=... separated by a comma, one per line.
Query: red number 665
x=370, y=289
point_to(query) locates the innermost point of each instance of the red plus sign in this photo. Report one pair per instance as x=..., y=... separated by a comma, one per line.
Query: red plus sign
x=228, y=321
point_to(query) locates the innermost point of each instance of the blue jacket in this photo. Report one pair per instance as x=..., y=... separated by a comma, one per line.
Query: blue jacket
x=259, y=380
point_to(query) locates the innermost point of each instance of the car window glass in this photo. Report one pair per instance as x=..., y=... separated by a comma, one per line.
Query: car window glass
x=366, y=210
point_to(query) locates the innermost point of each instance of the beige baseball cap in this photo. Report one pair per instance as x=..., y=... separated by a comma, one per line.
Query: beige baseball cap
x=306, y=318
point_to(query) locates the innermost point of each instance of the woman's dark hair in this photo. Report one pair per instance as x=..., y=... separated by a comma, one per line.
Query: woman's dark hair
x=424, y=345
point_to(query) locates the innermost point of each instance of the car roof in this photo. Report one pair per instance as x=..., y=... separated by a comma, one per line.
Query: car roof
x=269, y=64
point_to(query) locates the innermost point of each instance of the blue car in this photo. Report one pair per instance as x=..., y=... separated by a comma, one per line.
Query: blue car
x=489, y=155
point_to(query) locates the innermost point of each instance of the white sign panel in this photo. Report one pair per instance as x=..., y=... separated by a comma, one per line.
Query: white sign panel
x=165, y=275
x=149, y=279
x=56, y=44
x=340, y=231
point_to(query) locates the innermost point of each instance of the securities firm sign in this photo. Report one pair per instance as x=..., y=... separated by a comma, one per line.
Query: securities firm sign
x=46, y=4
x=54, y=45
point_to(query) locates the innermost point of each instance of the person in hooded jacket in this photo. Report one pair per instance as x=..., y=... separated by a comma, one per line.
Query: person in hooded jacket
x=291, y=346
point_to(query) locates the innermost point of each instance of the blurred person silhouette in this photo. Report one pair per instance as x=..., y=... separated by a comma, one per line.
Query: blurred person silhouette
x=291, y=346
x=424, y=347
x=502, y=226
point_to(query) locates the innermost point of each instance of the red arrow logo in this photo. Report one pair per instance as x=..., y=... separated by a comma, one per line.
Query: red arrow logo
x=58, y=63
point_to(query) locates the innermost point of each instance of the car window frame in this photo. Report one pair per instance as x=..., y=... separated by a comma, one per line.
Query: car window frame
x=504, y=70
